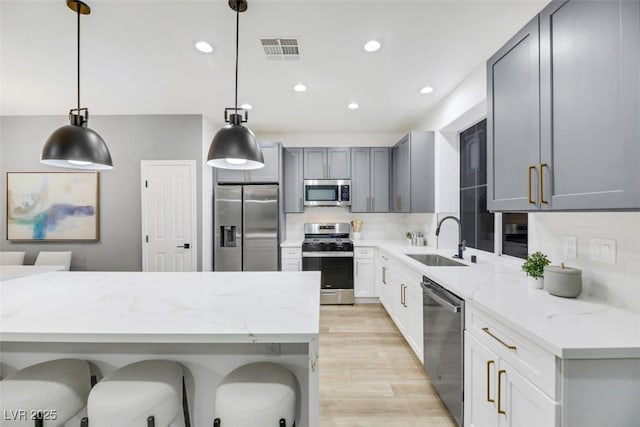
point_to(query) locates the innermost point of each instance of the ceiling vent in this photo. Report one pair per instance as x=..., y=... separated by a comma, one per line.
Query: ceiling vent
x=281, y=49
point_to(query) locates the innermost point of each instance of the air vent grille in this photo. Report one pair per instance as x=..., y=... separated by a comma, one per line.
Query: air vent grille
x=281, y=49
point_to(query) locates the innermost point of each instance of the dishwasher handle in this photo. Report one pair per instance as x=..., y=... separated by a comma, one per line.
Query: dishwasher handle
x=440, y=299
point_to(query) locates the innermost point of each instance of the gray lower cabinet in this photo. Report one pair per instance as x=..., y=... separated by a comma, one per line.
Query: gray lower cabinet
x=563, y=110
x=370, y=169
x=413, y=175
x=293, y=180
x=270, y=173
x=327, y=163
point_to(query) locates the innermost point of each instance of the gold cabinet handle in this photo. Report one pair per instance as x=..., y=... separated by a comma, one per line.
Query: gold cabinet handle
x=531, y=201
x=489, y=363
x=542, y=200
x=500, y=410
x=384, y=275
x=402, y=294
x=510, y=347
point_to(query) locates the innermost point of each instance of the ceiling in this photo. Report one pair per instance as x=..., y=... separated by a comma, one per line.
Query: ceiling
x=138, y=57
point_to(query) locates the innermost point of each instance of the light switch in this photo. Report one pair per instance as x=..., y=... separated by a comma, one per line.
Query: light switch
x=603, y=250
x=570, y=246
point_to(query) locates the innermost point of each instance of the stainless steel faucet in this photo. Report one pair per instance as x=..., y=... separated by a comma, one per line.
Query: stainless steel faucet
x=461, y=243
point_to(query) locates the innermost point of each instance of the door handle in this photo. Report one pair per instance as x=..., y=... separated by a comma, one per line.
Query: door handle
x=542, y=200
x=186, y=246
x=531, y=201
x=384, y=275
x=404, y=293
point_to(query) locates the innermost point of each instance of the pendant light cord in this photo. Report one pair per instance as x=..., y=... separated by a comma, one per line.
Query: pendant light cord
x=237, y=48
x=78, y=13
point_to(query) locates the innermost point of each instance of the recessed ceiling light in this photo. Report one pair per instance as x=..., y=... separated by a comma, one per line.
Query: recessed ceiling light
x=372, y=45
x=425, y=90
x=353, y=106
x=246, y=106
x=204, y=47
x=299, y=87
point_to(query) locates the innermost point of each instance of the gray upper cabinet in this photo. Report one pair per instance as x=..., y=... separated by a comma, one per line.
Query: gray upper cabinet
x=269, y=173
x=360, y=182
x=413, y=174
x=271, y=170
x=563, y=110
x=339, y=163
x=315, y=163
x=293, y=180
x=379, y=179
x=370, y=179
x=513, y=149
x=327, y=163
x=590, y=140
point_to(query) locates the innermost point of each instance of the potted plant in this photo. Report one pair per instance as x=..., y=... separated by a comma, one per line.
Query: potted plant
x=534, y=267
x=408, y=236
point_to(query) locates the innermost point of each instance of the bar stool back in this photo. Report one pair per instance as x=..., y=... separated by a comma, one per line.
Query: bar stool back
x=46, y=394
x=257, y=395
x=146, y=393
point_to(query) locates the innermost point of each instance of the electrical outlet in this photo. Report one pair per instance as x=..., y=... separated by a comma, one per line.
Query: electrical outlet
x=603, y=250
x=570, y=246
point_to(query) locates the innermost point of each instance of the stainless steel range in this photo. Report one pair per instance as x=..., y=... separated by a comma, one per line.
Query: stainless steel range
x=327, y=248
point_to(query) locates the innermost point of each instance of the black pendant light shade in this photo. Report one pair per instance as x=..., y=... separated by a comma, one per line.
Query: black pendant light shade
x=75, y=145
x=235, y=146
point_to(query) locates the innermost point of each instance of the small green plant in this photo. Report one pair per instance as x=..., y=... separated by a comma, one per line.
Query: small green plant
x=534, y=264
x=408, y=235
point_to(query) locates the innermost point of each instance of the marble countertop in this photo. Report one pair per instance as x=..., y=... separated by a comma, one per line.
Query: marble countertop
x=120, y=307
x=578, y=328
x=8, y=272
x=291, y=243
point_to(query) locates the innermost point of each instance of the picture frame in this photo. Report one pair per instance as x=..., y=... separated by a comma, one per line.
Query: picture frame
x=53, y=206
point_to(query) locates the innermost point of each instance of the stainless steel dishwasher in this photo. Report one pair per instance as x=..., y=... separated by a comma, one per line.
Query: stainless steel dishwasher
x=443, y=326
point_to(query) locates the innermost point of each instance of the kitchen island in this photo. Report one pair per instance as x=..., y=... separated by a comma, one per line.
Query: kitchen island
x=211, y=323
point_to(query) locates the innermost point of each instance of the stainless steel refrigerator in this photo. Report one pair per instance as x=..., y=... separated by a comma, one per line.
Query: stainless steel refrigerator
x=246, y=228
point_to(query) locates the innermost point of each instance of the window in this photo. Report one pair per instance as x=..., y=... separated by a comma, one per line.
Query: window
x=477, y=223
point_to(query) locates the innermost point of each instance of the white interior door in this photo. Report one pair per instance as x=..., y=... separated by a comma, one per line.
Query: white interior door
x=169, y=240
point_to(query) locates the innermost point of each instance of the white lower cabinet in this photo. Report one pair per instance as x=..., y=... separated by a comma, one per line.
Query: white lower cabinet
x=383, y=286
x=405, y=300
x=291, y=259
x=364, y=273
x=497, y=395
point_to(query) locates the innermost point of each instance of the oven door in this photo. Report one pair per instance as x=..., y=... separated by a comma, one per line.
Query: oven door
x=319, y=193
x=336, y=278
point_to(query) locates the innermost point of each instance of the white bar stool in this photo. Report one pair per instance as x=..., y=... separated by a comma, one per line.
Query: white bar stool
x=147, y=393
x=257, y=395
x=47, y=394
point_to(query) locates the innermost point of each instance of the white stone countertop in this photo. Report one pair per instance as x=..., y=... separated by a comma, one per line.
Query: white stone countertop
x=572, y=328
x=291, y=243
x=8, y=272
x=270, y=307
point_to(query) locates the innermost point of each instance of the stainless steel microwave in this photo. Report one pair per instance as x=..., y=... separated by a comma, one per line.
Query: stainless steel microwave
x=327, y=192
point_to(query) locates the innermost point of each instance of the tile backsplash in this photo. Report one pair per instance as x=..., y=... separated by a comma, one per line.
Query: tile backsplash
x=617, y=284
x=376, y=225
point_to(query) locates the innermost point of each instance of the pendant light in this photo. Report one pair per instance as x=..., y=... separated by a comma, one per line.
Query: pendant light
x=75, y=145
x=235, y=146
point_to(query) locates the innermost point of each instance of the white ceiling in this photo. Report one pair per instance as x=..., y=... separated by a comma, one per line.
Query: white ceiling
x=138, y=58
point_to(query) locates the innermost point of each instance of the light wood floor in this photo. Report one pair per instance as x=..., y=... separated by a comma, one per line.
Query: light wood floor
x=369, y=376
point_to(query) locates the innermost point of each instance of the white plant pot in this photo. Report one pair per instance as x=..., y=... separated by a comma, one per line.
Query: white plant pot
x=535, y=283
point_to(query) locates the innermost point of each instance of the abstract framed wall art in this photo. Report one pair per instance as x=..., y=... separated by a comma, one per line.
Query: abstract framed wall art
x=53, y=206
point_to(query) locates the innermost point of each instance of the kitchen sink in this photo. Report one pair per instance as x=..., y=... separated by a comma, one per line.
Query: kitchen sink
x=433, y=260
